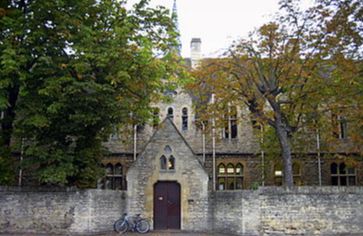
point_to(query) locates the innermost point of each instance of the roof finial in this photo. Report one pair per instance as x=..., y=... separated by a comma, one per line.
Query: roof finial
x=174, y=18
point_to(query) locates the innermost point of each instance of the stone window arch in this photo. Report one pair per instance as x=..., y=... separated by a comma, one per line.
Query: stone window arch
x=221, y=169
x=230, y=176
x=342, y=175
x=239, y=169
x=170, y=113
x=167, y=160
x=118, y=169
x=168, y=149
x=230, y=169
x=163, y=163
x=185, y=118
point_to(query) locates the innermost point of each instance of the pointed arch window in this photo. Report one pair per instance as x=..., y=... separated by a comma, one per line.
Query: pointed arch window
x=171, y=163
x=167, y=149
x=221, y=169
x=167, y=161
x=185, y=118
x=170, y=113
x=163, y=162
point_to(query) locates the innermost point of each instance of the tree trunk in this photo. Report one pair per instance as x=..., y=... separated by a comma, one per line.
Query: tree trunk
x=7, y=123
x=283, y=138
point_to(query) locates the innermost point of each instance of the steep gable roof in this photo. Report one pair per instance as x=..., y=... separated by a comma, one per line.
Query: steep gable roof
x=167, y=122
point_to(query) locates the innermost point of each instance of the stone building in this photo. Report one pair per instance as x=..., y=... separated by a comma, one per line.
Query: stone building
x=170, y=167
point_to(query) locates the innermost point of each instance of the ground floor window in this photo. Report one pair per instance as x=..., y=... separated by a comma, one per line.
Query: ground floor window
x=230, y=176
x=342, y=175
x=114, y=178
x=296, y=172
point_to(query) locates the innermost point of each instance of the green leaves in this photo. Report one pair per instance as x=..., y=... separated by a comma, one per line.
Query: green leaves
x=75, y=69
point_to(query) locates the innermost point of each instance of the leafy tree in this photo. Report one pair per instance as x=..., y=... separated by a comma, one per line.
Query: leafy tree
x=77, y=68
x=287, y=70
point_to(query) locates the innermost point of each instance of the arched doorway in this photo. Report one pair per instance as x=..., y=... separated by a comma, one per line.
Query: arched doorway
x=167, y=205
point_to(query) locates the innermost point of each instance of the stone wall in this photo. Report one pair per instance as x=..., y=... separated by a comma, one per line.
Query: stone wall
x=302, y=211
x=266, y=211
x=59, y=211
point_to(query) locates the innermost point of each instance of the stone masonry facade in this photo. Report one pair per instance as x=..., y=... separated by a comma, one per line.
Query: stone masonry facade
x=188, y=172
x=243, y=149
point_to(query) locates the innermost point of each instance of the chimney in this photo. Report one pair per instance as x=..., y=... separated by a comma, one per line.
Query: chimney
x=195, y=52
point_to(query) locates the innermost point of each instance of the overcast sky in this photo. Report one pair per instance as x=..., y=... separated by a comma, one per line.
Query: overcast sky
x=218, y=22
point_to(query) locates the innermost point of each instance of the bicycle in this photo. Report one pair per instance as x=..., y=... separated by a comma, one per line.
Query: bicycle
x=135, y=223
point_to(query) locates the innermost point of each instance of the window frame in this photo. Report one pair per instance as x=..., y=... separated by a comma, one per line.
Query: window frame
x=228, y=180
x=113, y=179
x=169, y=114
x=230, y=130
x=184, y=118
x=339, y=176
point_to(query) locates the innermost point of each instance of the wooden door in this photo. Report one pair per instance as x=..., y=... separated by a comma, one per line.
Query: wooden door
x=167, y=205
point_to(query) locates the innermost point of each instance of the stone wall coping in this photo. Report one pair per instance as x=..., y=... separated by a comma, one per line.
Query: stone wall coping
x=270, y=190
x=274, y=190
x=52, y=189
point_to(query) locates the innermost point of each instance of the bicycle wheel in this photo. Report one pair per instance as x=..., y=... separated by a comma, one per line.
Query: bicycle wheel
x=142, y=226
x=121, y=226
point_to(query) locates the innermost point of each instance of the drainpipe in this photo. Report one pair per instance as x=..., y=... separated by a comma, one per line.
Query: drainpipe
x=135, y=141
x=319, y=154
x=203, y=141
x=262, y=158
x=214, y=147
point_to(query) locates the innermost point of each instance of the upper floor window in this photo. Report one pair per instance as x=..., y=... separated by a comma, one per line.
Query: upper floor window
x=342, y=175
x=230, y=129
x=343, y=127
x=185, y=118
x=170, y=113
x=340, y=126
x=230, y=176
